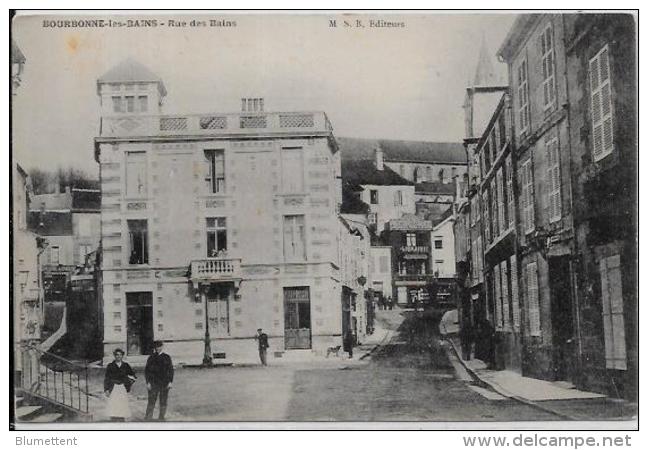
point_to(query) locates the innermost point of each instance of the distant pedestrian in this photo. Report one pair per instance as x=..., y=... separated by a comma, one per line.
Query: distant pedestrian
x=159, y=378
x=348, y=343
x=117, y=383
x=262, y=339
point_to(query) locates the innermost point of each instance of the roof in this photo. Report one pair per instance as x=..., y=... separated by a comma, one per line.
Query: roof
x=86, y=200
x=50, y=223
x=513, y=39
x=364, y=172
x=429, y=187
x=132, y=70
x=446, y=214
x=403, y=151
x=409, y=222
x=351, y=204
x=486, y=73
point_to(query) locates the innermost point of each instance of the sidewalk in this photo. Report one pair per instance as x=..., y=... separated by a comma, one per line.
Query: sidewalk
x=556, y=397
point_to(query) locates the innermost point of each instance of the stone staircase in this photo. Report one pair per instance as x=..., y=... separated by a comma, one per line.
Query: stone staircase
x=25, y=412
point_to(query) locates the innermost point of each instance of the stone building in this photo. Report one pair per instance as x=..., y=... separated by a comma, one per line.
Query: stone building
x=413, y=277
x=214, y=225
x=602, y=88
x=535, y=53
x=387, y=194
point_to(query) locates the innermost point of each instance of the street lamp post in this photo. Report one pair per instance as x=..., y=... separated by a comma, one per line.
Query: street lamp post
x=207, y=358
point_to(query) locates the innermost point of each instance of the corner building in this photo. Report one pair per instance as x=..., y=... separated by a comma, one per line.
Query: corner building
x=220, y=222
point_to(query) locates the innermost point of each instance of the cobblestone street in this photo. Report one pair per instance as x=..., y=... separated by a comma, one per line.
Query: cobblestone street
x=407, y=378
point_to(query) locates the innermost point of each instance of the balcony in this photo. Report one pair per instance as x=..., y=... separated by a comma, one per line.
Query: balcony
x=413, y=280
x=215, y=270
x=227, y=124
x=415, y=251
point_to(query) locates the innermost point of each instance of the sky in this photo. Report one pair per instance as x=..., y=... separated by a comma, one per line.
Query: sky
x=389, y=83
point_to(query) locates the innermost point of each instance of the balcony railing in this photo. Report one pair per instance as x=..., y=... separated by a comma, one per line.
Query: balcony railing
x=216, y=269
x=415, y=249
x=214, y=124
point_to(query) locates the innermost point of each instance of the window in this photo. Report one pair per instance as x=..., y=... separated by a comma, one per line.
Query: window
x=441, y=178
x=142, y=101
x=494, y=213
x=216, y=237
x=553, y=179
x=613, y=322
x=218, y=296
x=398, y=198
x=515, y=300
x=509, y=191
x=138, y=241
x=292, y=166
x=428, y=171
x=117, y=104
x=497, y=297
x=531, y=275
x=601, y=104
x=501, y=201
x=410, y=239
x=130, y=103
x=215, y=178
x=84, y=250
x=438, y=242
x=506, y=319
x=501, y=123
x=136, y=174
x=487, y=158
x=438, y=266
x=373, y=196
x=373, y=218
x=523, y=96
x=55, y=254
x=548, y=67
x=294, y=238
x=486, y=216
x=528, y=218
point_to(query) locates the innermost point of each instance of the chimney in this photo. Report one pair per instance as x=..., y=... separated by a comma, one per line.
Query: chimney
x=379, y=158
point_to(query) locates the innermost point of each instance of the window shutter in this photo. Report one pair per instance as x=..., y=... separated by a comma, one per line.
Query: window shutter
x=533, y=301
x=515, y=301
x=505, y=296
x=497, y=300
x=613, y=321
x=601, y=105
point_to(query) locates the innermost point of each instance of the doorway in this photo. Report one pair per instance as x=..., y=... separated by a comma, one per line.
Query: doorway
x=297, y=318
x=139, y=329
x=561, y=317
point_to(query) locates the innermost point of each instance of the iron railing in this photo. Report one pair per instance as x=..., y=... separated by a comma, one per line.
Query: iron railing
x=57, y=379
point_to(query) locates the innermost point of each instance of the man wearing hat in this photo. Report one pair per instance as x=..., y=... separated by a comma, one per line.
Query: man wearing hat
x=263, y=346
x=159, y=377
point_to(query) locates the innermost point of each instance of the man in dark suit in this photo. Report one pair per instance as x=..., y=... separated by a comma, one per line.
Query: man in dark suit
x=159, y=377
x=263, y=346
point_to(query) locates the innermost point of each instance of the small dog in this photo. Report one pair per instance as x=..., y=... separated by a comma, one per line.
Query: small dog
x=335, y=350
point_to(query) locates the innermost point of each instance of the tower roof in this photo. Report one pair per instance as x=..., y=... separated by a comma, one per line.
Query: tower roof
x=486, y=73
x=132, y=70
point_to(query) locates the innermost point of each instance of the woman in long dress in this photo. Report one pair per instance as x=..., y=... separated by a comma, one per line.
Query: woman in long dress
x=117, y=383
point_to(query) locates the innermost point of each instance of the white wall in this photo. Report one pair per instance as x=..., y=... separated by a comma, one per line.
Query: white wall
x=444, y=232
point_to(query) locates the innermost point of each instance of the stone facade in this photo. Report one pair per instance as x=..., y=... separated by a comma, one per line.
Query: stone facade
x=234, y=242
